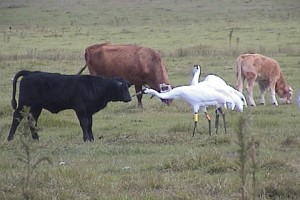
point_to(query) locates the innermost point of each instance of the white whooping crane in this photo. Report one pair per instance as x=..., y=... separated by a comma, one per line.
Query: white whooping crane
x=195, y=80
x=196, y=74
x=217, y=83
x=198, y=96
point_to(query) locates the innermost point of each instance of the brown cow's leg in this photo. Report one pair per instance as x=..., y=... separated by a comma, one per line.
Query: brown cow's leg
x=138, y=88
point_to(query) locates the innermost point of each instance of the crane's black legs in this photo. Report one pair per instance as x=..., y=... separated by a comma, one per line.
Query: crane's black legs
x=196, y=117
x=223, y=114
x=217, y=121
x=218, y=111
x=209, y=123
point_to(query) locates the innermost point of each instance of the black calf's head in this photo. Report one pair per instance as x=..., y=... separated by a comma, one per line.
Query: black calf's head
x=120, y=90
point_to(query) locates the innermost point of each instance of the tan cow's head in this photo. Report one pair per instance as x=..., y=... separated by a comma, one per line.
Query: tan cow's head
x=286, y=94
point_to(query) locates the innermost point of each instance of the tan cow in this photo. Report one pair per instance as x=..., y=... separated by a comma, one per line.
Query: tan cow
x=264, y=70
x=139, y=65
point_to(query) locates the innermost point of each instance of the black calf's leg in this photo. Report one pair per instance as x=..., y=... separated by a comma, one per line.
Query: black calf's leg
x=91, y=137
x=86, y=126
x=33, y=125
x=17, y=117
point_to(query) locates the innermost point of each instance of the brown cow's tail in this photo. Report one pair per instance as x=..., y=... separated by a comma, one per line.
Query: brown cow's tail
x=82, y=69
x=238, y=68
x=87, y=60
x=19, y=74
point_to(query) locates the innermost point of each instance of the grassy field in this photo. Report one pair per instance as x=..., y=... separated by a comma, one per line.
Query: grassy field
x=149, y=153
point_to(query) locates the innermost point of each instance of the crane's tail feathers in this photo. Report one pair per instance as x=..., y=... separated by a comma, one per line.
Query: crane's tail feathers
x=241, y=95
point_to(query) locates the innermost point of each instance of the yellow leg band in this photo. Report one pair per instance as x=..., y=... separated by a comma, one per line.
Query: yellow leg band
x=196, y=117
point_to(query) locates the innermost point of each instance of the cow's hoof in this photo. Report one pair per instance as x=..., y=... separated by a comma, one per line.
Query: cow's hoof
x=35, y=136
x=88, y=140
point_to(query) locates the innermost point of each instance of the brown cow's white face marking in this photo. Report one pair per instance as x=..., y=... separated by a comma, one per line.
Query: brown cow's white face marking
x=165, y=88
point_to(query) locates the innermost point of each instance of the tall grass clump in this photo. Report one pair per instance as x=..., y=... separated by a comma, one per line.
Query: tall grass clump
x=247, y=157
x=27, y=153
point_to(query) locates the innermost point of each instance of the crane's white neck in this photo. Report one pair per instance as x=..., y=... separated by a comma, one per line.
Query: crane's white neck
x=196, y=75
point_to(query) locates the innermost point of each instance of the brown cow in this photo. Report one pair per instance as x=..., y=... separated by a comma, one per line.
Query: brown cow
x=266, y=71
x=139, y=65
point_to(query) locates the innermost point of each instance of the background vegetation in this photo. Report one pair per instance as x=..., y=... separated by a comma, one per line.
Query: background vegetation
x=149, y=153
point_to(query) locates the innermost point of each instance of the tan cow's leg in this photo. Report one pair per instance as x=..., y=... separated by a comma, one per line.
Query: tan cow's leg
x=263, y=85
x=249, y=87
x=273, y=93
x=240, y=85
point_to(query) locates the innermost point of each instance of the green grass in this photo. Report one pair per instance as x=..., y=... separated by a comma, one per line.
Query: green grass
x=149, y=153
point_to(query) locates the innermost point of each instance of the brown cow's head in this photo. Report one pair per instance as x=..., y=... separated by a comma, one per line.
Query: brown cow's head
x=165, y=88
x=286, y=94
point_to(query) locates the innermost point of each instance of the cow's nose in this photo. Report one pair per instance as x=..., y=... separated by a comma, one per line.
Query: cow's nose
x=288, y=101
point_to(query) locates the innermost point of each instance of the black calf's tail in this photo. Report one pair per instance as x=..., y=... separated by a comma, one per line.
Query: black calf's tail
x=13, y=99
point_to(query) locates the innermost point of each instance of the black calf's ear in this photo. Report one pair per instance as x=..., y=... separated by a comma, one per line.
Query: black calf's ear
x=119, y=83
x=123, y=81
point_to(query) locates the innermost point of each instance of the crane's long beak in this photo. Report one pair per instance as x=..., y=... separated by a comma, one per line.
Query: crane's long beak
x=166, y=101
x=141, y=92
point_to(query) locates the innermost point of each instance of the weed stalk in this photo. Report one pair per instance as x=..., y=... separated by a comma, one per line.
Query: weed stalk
x=27, y=152
x=254, y=164
x=247, y=150
x=242, y=151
